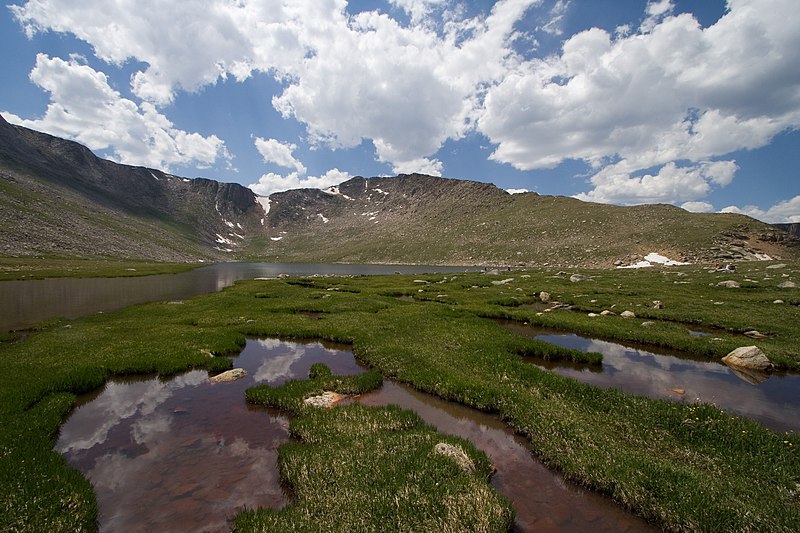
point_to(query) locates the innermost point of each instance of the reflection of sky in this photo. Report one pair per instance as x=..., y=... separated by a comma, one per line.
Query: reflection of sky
x=119, y=401
x=774, y=402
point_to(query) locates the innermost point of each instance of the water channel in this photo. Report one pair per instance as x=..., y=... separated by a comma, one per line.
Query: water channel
x=187, y=454
x=24, y=303
x=770, y=398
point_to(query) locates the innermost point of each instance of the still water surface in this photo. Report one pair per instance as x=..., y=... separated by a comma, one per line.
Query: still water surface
x=187, y=454
x=770, y=398
x=23, y=303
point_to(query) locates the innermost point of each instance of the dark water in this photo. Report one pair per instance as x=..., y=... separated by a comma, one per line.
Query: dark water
x=187, y=454
x=770, y=398
x=23, y=303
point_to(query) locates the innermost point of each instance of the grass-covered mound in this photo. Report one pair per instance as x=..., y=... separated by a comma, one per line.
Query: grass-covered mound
x=357, y=468
x=683, y=467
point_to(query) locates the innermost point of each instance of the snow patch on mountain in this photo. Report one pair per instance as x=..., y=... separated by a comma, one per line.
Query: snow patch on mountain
x=655, y=259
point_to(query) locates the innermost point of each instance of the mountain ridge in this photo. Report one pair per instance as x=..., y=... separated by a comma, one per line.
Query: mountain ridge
x=59, y=199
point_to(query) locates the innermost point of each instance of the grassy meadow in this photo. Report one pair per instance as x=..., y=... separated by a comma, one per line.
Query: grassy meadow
x=12, y=268
x=682, y=467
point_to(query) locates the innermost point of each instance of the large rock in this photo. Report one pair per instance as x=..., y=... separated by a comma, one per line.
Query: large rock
x=229, y=375
x=628, y=314
x=748, y=357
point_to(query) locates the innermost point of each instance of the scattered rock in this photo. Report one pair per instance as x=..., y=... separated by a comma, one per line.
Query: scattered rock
x=750, y=357
x=627, y=314
x=176, y=302
x=729, y=284
x=578, y=277
x=502, y=281
x=457, y=454
x=778, y=302
x=787, y=285
x=229, y=375
x=493, y=272
x=679, y=390
x=606, y=312
x=648, y=324
x=421, y=281
x=544, y=296
x=327, y=399
x=779, y=265
x=592, y=315
x=753, y=334
x=658, y=304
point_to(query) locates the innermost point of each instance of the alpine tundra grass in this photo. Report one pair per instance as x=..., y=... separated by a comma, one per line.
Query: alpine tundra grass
x=681, y=466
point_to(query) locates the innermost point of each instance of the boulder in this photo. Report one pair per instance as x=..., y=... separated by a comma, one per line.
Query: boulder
x=457, y=454
x=627, y=314
x=729, y=284
x=229, y=375
x=748, y=357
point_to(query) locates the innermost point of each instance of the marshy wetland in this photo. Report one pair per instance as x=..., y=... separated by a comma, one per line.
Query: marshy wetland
x=673, y=463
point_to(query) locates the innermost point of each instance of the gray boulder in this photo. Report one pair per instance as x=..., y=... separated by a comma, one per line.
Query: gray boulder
x=578, y=277
x=748, y=357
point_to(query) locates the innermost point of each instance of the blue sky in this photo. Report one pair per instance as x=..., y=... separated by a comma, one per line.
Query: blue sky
x=618, y=101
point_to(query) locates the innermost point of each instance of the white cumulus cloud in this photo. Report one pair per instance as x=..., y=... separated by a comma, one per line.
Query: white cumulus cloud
x=674, y=94
x=698, y=207
x=782, y=212
x=85, y=108
x=274, y=151
x=271, y=182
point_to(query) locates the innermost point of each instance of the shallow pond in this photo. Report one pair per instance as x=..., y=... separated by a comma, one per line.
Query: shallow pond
x=187, y=454
x=23, y=303
x=772, y=399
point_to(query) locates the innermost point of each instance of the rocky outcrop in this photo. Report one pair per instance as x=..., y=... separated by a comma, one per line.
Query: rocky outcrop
x=749, y=357
x=327, y=399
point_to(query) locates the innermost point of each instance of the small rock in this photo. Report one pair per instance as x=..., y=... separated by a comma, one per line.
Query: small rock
x=627, y=314
x=778, y=302
x=457, y=454
x=592, y=315
x=748, y=357
x=618, y=262
x=658, y=304
x=327, y=399
x=578, y=277
x=502, y=281
x=606, y=312
x=753, y=334
x=787, y=285
x=544, y=296
x=729, y=284
x=779, y=265
x=679, y=390
x=229, y=375
x=648, y=324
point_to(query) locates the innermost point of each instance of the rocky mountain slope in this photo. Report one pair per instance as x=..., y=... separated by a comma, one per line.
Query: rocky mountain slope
x=59, y=199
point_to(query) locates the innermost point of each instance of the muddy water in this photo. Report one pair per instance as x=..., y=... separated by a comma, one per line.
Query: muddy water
x=187, y=455
x=770, y=398
x=543, y=500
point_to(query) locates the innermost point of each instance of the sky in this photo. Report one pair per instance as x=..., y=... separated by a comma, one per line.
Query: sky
x=695, y=103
